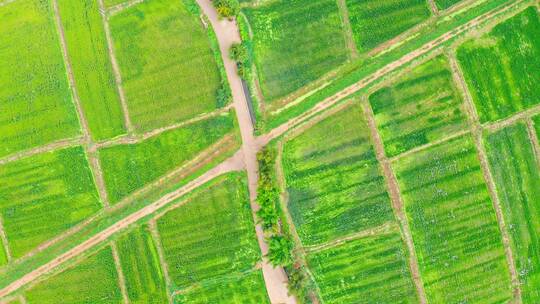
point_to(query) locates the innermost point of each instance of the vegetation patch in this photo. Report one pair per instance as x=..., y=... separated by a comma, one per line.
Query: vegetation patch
x=517, y=179
x=44, y=195
x=145, y=281
x=94, y=280
x=444, y=4
x=92, y=69
x=501, y=68
x=169, y=70
x=295, y=42
x=35, y=99
x=373, y=268
x=374, y=22
x=127, y=168
x=333, y=179
x=419, y=107
x=453, y=224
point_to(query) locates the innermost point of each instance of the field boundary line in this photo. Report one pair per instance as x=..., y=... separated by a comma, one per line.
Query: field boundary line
x=431, y=144
x=523, y=115
x=152, y=226
x=426, y=48
x=433, y=6
x=383, y=229
x=533, y=137
x=113, y=10
x=56, y=145
x=476, y=129
x=120, y=225
x=87, y=139
x=396, y=199
x=115, y=67
x=119, y=272
x=4, y=240
x=347, y=29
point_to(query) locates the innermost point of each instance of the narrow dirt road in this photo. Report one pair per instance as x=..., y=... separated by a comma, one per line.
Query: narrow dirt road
x=227, y=34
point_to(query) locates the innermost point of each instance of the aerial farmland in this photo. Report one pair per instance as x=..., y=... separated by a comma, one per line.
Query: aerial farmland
x=270, y=151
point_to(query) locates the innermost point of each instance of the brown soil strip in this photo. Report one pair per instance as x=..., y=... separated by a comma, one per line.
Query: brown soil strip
x=348, y=33
x=388, y=68
x=120, y=7
x=433, y=7
x=397, y=201
x=116, y=69
x=534, y=139
x=476, y=130
x=521, y=116
x=385, y=228
x=431, y=144
x=4, y=240
x=57, y=145
x=120, y=272
x=164, y=267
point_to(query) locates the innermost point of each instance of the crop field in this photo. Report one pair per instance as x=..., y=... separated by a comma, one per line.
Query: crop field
x=419, y=107
x=145, y=282
x=94, y=280
x=35, y=99
x=168, y=68
x=517, y=179
x=374, y=22
x=295, y=42
x=44, y=195
x=501, y=68
x=110, y=3
x=92, y=68
x=373, y=268
x=444, y=4
x=3, y=256
x=333, y=179
x=127, y=168
x=453, y=224
x=248, y=289
x=211, y=238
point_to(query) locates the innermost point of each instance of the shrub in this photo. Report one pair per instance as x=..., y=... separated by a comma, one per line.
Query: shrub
x=227, y=8
x=280, y=250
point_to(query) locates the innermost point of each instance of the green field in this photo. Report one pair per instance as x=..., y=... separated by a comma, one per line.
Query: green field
x=374, y=22
x=127, y=168
x=94, y=280
x=35, y=99
x=168, y=68
x=368, y=270
x=333, y=179
x=3, y=255
x=109, y=3
x=249, y=289
x=212, y=236
x=145, y=281
x=444, y=4
x=419, y=107
x=517, y=178
x=44, y=195
x=295, y=42
x=501, y=68
x=92, y=69
x=453, y=224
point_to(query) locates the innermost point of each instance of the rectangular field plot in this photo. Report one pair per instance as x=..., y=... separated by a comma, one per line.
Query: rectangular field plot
x=517, y=179
x=127, y=168
x=35, y=99
x=295, y=42
x=333, y=179
x=145, y=281
x=92, y=69
x=168, y=68
x=501, y=68
x=248, y=289
x=453, y=224
x=421, y=106
x=212, y=236
x=444, y=4
x=94, y=280
x=373, y=268
x=44, y=195
x=374, y=21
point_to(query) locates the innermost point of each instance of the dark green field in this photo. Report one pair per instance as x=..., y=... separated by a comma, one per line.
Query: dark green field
x=333, y=179
x=501, y=68
x=517, y=178
x=444, y=4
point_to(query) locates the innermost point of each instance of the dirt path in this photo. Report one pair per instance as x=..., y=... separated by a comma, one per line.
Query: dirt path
x=534, y=140
x=152, y=225
x=120, y=7
x=120, y=273
x=115, y=67
x=6, y=2
x=523, y=115
x=227, y=33
x=4, y=241
x=347, y=29
x=431, y=144
x=61, y=144
x=433, y=7
x=476, y=129
x=397, y=201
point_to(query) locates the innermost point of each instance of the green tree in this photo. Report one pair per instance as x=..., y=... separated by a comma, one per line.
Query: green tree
x=280, y=250
x=227, y=8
